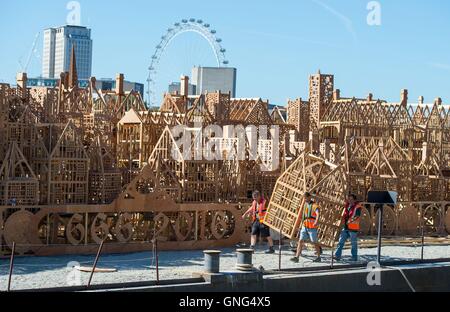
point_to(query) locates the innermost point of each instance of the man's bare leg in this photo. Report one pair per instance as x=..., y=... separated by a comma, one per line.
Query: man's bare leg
x=299, y=248
x=270, y=241
x=317, y=246
x=253, y=240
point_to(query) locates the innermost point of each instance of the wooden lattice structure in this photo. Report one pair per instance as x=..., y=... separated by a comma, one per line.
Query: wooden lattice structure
x=19, y=184
x=362, y=145
x=321, y=89
x=79, y=165
x=298, y=116
x=285, y=204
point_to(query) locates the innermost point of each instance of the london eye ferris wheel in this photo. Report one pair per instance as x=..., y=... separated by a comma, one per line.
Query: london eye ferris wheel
x=172, y=57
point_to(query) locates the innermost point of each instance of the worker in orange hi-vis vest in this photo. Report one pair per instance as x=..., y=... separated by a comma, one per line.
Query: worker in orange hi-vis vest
x=351, y=218
x=258, y=212
x=308, y=230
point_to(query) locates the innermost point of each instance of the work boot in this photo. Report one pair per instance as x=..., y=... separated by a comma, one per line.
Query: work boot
x=336, y=258
x=318, y=259
x=294, y=259
x=320, y=250
x=270, y=250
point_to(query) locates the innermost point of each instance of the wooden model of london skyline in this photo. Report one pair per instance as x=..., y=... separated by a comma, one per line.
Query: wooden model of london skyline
x=80, y=165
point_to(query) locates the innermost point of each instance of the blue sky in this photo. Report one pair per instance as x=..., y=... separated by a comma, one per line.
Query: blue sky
x=274, y=44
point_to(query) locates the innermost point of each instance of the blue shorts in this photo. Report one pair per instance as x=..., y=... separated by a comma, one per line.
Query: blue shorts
x=259, y=228
x=310, y=234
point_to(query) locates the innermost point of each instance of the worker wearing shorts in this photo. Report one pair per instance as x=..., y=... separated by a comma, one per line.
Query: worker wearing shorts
x=258, y=212
x=309, y=227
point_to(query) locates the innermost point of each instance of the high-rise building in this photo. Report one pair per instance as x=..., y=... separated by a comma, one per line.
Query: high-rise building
x=212, y=79
x=58, y=44
x=175, y=87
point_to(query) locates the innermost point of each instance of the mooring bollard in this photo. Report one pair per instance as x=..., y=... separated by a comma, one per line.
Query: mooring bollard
x=244, y=259
x=212, y=261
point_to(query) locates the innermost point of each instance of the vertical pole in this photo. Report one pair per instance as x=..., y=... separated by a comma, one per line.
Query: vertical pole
x=332, y=256
x=11, y=265
x=380, y=228
x=196, y=226
x=48, y=229
x=279, y=251
x=86, y=228
x=95, y=262
x=157, y=261
x=423, y=233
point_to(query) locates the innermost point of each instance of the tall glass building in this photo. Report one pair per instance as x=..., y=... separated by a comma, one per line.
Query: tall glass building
x=212, y=79
x=58, y=44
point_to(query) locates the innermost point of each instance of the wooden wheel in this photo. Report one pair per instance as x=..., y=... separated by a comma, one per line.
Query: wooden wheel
x=447, y=220
x=389, y=219
x=17, y=229
x=366, y=222
x=408, y=220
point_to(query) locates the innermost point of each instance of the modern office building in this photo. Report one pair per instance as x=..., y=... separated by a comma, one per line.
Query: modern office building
x=211, y=79
x=105, y=84
x=175, y=87
x=58, y=44
x=108, y=84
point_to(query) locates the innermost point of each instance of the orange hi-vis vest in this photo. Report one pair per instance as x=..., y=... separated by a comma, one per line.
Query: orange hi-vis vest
x=260, y=211
x=310, y=215
x=351, y=218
